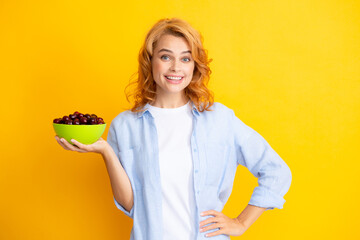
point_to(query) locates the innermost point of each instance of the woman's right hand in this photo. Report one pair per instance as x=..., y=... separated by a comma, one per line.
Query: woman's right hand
x=97, y=147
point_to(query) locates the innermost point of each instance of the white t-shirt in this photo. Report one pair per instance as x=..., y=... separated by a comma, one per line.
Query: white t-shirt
x=174, y=129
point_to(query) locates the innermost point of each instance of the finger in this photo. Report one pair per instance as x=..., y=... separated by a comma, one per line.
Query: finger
x=211, y=227
x=80, y=145
x=210, y=212
x=61, y=143
x=215, y=233
x=208, y=220
x=71, y=147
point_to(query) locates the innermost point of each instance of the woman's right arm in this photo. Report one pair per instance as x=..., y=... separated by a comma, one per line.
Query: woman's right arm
x=120, y=183
x=119, y=180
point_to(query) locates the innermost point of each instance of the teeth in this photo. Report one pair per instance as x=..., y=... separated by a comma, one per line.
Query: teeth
x=173, y=78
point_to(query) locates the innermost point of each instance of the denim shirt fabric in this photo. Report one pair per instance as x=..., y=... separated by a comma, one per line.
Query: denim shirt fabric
x=220, y=142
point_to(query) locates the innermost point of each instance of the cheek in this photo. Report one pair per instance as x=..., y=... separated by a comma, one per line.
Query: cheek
x=190, y=70
x=158, y=68
x=154, y=67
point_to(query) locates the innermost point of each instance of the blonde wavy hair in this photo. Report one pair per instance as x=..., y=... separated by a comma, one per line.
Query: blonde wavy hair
x=145, y=86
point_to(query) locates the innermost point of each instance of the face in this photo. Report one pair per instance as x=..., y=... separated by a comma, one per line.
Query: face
x=172, y=66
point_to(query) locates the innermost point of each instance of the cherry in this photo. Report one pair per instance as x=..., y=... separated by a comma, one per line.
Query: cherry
x=57, y=120
x=83, y=120
x=78, y=118
x=65, y=118
x=92, y=121
x=69, y=122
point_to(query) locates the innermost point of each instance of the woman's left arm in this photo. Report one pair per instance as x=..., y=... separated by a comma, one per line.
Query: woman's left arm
x=230, y=226
x=274, y=178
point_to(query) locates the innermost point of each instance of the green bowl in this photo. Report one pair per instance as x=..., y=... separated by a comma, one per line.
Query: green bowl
x=86, y=134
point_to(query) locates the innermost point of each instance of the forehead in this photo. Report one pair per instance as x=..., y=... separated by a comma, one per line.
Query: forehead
x=172, y=43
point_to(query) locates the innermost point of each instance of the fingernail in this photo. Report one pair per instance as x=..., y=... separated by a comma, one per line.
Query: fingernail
x=62, y=140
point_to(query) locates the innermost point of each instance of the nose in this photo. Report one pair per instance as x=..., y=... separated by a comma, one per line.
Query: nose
x=175, y=66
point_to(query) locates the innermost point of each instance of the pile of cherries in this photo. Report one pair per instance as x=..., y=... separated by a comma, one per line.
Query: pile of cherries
x=79, y=119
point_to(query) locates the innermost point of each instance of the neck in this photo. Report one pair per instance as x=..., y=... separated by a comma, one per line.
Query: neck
x=170, y=101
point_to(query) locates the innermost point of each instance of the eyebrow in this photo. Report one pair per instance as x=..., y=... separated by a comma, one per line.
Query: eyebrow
x=167, y=50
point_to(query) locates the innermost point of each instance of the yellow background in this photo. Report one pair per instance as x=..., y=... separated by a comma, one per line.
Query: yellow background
x=289, y=69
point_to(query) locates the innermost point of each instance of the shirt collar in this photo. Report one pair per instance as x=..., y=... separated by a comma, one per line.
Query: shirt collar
x=146, y=110
x=194, y=109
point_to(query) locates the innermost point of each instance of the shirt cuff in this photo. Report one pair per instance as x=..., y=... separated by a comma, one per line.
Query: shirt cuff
x=129, y=214
x=265, y=198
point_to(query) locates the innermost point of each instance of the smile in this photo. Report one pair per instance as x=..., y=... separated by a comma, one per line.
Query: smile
x=174, y=79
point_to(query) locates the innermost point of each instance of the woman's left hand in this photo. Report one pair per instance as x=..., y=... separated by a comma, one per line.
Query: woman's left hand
x=228, y=226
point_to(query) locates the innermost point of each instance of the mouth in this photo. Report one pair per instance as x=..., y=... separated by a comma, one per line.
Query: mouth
x=174, y=79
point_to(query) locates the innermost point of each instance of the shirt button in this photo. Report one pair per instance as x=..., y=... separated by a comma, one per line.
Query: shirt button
x=196, y=171
x=194, y=149
x=197, y=192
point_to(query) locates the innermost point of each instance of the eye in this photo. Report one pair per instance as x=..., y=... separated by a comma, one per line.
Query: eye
x=165, y=57
x=186, y=59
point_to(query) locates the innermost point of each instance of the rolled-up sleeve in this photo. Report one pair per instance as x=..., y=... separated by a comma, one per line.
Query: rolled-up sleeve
x=127, y=213
x=112, y=140
x=111, y=137
x=274, y=175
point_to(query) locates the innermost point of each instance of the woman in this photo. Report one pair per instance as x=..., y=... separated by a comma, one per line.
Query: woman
x=172, y=158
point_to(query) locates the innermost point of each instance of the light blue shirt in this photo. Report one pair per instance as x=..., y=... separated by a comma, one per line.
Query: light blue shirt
x=220, y=142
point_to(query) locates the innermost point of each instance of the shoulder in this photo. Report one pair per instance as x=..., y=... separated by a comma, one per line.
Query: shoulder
x=124, y=117
x=219, y=109
x=218, y=115
x=221, y=114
